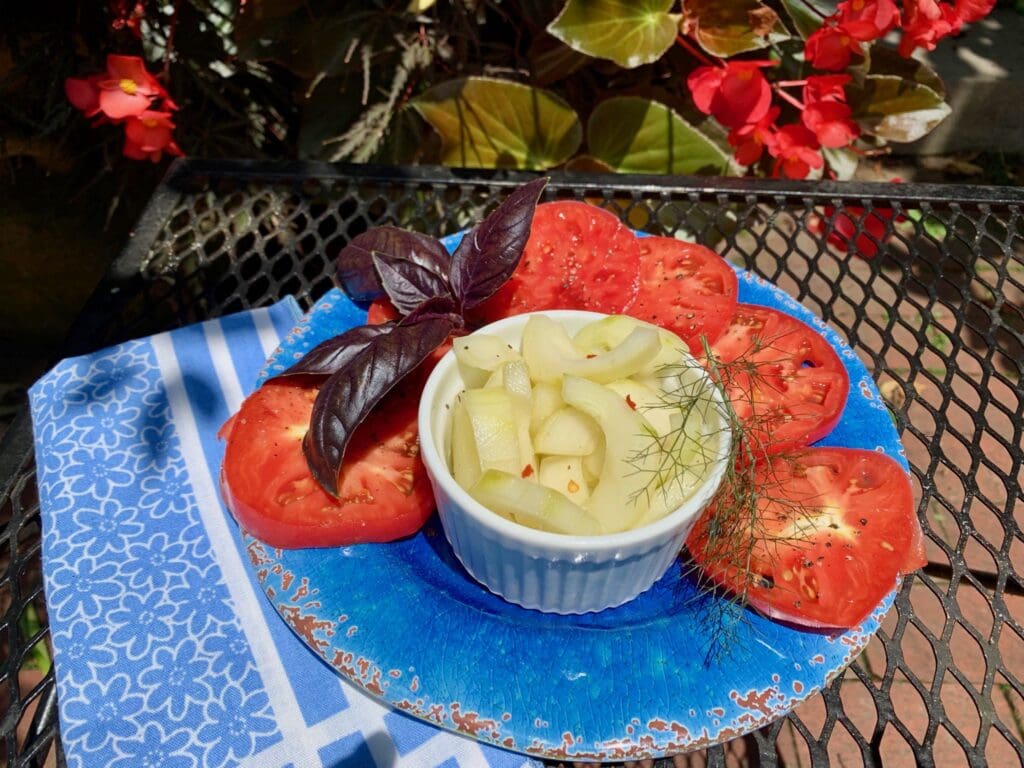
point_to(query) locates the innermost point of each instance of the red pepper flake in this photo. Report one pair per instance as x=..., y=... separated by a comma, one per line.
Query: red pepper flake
x=591, y=357
x=527, y=470
x=630, y=403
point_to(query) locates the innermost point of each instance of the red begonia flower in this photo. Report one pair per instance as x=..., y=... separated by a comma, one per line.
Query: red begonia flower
x=734, y=94
x=825, y=88
x=831, y=123
x=796, y=151
x=128, y=90
x=831, y=47
x=750, y=140
x=842, y=230
x=825, y=110
x=925, y=22
x=973, y=10
x=84, y=93
x=148, y=136
x=881, y=15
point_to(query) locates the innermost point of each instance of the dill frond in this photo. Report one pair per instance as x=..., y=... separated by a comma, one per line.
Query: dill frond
x=735, y=527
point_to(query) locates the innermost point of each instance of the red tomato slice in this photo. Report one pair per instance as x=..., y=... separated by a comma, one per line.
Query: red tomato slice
x=381, y=311
x=686, y=288
x=578, y=256
x=835, y=526
x=785, y=381
x=384, y=490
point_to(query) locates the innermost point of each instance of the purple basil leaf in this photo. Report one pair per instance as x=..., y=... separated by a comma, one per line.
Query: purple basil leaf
x=406, y=283
x=329, y=356
x=354, y=267
x=349, y=395
x=490, y=252
x=438, y=306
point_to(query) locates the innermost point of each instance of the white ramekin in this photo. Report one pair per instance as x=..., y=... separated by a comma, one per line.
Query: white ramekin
x=549, y=572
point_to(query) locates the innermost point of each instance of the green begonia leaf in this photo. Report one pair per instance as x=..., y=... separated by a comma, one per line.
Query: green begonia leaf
x=882, y=60
x=842, y=161
x=629, y=32
x=806, y=21
x=488, y=123
x=635, y=135
x=552, y=60
x=896, y=109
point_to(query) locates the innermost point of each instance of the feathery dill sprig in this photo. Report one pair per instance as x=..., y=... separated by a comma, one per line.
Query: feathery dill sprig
x=735, y=527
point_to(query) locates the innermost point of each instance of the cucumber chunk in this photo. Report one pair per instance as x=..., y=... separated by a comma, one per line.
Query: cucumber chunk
x=634, y=354
x=620, y=497
x=547, y=398
x=550, y=353
x=593, y=463
x=532, y=505
x=546, y=349
x=479, y=355
x=464, y=460
x=492, y=418
x=609, y=332
x=565, y=475
x=516, y=378
x=567, y=431
x=521, y=409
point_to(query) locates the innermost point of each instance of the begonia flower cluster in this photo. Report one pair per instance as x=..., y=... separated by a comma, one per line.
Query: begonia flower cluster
x=740, y=95
x=127, y=94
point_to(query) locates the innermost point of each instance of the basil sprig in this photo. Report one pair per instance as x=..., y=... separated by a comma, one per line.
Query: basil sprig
x=430, y=289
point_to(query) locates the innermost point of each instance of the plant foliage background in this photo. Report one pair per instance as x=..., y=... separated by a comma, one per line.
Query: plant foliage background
x=579, y=84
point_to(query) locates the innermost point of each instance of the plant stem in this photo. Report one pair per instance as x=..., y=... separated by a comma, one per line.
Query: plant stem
x=791, y=99
x=696, y=52
x=814, y=8
x=172, y=27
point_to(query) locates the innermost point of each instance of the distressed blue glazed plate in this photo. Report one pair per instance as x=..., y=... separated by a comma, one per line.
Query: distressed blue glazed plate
x=672, y=671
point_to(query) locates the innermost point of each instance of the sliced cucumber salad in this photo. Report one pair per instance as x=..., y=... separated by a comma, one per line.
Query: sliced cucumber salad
x=604, y=431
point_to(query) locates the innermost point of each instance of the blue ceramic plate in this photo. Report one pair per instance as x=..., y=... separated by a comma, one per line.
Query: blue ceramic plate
x=651, y=678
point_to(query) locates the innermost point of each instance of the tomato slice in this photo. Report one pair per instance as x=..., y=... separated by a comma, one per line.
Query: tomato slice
x=384, y=492
x=381, y=311
x=834, y=528
x=578, y=256
x=686, y=288
x=785, y=381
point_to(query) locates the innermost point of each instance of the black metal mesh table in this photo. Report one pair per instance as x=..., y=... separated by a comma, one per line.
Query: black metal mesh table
x=936, y=316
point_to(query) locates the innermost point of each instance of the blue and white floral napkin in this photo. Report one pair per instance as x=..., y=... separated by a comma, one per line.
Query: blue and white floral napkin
x=166, y=651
